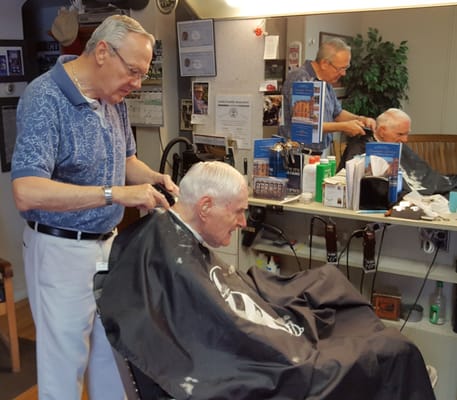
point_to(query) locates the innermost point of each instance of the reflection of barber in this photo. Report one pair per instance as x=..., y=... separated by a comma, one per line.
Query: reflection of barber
x=200, y=104
x=332, y=60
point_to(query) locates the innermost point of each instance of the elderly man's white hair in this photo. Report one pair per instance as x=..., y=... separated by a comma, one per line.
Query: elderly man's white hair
x=217, y=179
x=392, y=117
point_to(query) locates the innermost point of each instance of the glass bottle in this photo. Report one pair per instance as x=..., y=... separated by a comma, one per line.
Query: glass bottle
x=438, y=305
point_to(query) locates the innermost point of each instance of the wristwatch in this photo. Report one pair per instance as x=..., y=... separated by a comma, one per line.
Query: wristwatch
x=108, y=192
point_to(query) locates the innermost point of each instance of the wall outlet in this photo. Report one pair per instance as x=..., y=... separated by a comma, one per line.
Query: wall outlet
x=438, y=237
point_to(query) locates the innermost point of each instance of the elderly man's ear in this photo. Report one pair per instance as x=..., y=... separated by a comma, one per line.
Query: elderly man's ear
x=204, y=206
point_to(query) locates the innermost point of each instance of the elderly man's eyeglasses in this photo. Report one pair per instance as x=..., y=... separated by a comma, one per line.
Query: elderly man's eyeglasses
x=338, y=69
x=132, y=71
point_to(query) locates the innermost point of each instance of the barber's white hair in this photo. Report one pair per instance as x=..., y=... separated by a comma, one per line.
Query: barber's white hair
x=114, y=29
x=329, y=48
x=217, y=179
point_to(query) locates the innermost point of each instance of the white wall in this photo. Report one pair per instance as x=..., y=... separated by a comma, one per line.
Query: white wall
x=11, y=20
x=11, y=224
x=348, y=24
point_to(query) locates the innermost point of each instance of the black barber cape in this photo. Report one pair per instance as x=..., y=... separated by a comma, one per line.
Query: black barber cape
x=203, y=330
x=418, y=175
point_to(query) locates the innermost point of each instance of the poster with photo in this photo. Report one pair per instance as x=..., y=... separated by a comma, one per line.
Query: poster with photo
x=15, y=66
x=200, y=97
x=272, y=110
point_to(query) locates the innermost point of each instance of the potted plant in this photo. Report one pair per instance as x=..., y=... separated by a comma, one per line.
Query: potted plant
x=378, y=76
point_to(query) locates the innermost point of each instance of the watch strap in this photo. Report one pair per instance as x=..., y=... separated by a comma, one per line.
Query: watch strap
x=108, y=192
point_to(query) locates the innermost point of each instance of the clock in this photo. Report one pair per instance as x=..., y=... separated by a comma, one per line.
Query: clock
x=166, y=6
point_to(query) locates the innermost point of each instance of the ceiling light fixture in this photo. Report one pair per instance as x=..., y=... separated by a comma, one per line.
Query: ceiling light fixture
x=269, y=8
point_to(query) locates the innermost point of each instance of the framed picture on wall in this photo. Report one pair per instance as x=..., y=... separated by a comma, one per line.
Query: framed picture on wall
x=12, y=67
x=8, y=107
x=324, y=36
x=47, y=54
x=186, y=115
x=196, y=48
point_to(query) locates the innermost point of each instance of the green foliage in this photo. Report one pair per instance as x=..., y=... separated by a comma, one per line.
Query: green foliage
x=378, y=76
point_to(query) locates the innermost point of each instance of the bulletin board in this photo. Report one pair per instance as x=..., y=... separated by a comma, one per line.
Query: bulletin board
x=145, y=107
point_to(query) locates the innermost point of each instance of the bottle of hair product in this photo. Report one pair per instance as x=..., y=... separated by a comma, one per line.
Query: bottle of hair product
x=438, y=305
x=322, y=172
x=309, y=175
x=332, y=163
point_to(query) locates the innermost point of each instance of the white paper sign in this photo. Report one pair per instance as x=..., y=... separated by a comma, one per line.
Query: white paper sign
x=271, y=47
x=233, y=119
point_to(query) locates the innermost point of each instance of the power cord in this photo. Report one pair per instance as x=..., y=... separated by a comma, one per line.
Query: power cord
x=311, y=229
x=421, y=288
x=357, y=233
x=300, y=268
x=381, y=242
x=279, y=232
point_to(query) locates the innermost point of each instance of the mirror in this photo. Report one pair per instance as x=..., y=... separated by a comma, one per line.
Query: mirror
x=432, y=56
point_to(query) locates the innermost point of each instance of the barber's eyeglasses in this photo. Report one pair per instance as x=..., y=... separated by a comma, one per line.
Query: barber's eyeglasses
x=132, y=71
x=338, y=69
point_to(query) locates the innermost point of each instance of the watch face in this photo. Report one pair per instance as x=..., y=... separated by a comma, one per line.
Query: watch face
x=166, y=6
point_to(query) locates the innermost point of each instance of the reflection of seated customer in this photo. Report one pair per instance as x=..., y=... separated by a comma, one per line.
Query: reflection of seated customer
x=203, y=330
x=394, y=126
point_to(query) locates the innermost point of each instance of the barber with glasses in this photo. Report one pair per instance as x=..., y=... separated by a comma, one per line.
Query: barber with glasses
x=332, y=60
x=74, y=170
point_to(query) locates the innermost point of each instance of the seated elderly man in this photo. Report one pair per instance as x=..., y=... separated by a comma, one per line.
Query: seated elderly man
x=203, y=330
x=394, y=126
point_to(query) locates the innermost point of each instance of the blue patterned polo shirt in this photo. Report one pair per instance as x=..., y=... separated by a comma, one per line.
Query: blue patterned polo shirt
x=63, y=137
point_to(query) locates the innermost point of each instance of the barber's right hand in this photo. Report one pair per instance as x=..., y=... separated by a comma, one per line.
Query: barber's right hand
x=353, y=128
x=144, y=197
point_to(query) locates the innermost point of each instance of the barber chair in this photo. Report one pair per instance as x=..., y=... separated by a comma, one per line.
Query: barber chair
x=137, y=385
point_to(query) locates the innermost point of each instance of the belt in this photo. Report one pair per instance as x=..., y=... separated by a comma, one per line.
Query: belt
x=68, y=234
